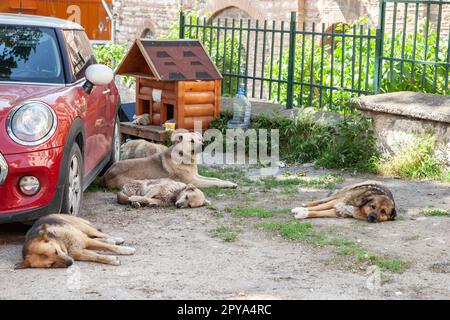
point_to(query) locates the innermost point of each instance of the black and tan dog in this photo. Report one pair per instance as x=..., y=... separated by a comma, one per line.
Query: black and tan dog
x=369, y=201
x=56, y=240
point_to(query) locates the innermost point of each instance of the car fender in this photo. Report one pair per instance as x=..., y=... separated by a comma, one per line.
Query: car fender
x=76, y=130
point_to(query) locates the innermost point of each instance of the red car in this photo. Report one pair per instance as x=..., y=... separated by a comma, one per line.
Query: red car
x=58, y=117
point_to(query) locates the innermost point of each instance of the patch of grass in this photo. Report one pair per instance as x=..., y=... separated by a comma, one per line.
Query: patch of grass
x=231, y=174
x=248, y=212
x=212, y=192
x=214, y=211
x=304, y=231
x=436, y=212
x=293, y=230
x=225, y=233
x=415, y=161
x=327, y=181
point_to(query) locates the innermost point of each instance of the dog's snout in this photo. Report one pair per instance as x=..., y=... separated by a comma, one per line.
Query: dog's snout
x=372, y=218
x=69, y=262
x=179, y=205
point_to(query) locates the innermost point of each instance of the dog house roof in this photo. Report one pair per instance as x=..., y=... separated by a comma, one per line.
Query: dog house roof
x=168, y=60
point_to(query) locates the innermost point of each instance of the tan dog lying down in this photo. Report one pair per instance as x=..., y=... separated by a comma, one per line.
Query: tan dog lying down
x=158, y=192
x=140, y=148
x=369, y=201
x=179, y=163
x=54, y=241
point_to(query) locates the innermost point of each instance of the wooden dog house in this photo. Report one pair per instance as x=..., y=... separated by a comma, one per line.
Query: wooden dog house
x=175, y=79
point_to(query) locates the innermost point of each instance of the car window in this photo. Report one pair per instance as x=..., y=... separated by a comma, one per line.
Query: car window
x=80, y=52
x=29, y=54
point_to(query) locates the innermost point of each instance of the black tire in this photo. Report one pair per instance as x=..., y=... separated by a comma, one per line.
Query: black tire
x=73, y=188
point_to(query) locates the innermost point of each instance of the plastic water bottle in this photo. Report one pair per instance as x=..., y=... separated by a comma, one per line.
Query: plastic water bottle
x=242, y=110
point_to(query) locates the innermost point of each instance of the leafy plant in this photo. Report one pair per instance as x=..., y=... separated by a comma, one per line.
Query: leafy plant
x=111, y=55
x=416, y=160
x=349, y=145
x=347, y=62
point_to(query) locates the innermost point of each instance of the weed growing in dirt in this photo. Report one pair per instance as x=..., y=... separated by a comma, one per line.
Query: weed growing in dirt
x=225, y=233
x=415, y=161
x=214, y=211
x=436, y=212
x=443, y=267
x=95, y=186
x=304, y=231
x=327, y=181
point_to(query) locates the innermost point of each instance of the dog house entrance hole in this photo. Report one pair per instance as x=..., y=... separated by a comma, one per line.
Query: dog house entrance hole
x=170, y=112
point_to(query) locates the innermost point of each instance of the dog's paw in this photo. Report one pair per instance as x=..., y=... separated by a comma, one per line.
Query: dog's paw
x=300, y=212
x=113, y=260
x=135, y=204
x=126, y=251
x=230, y=185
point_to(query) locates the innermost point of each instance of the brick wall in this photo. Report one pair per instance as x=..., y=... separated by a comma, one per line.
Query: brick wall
x=153, y=17
x=135, y=17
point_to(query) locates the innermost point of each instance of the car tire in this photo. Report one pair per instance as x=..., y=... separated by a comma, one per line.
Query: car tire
x=73, y=188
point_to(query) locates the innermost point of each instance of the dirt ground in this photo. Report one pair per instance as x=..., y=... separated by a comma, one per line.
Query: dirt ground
x=179, y=258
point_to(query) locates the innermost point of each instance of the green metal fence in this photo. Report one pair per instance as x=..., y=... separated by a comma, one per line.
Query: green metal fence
x=325, y=66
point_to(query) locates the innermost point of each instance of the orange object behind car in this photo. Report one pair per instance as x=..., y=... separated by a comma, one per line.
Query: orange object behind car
x=88, y=13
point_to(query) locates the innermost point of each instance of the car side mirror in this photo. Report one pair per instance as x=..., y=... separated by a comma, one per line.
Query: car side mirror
x=97, y=75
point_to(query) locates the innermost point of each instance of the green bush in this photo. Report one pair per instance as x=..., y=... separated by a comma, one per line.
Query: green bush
x=111, y=55
x=415, y=161
x=349, y=145
x=353, y=54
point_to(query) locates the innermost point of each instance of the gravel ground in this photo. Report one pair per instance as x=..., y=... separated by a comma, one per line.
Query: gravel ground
x=178, y=258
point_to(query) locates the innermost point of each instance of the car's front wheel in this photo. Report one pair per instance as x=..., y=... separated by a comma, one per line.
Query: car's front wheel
x=73, y=189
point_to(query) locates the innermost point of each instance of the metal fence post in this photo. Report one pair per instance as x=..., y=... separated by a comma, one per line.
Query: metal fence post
x=182, y=24
x=291, y=61
x=379, y=41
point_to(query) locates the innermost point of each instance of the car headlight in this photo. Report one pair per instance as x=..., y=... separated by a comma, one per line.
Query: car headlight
x=32, y=123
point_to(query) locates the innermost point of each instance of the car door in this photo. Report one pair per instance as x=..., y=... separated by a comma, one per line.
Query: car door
x=93, y=106
x=107, y=111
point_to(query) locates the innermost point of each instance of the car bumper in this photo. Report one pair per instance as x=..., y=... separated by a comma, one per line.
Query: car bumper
x=44, y=165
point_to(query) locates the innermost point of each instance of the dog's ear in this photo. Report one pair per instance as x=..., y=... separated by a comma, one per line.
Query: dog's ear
x=190, y=187
x=176, y=137
x=22, y=265
x=43, y=233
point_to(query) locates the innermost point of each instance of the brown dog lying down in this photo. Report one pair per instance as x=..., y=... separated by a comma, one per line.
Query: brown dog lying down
x=179, y=163
x=54, y=241
x=140, y=148
x=368, y=201
x=141, y=193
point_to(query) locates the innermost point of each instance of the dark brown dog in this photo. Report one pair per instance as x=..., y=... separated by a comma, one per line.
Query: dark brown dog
x=369, y=201
x=54, y=241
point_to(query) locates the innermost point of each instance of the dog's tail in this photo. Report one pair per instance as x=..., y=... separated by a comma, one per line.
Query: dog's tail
x=122, y=198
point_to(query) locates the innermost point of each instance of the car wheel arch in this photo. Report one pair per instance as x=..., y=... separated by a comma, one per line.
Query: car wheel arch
x=76, y=135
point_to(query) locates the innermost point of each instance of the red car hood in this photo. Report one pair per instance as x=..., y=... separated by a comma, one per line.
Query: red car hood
x=13, y=94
